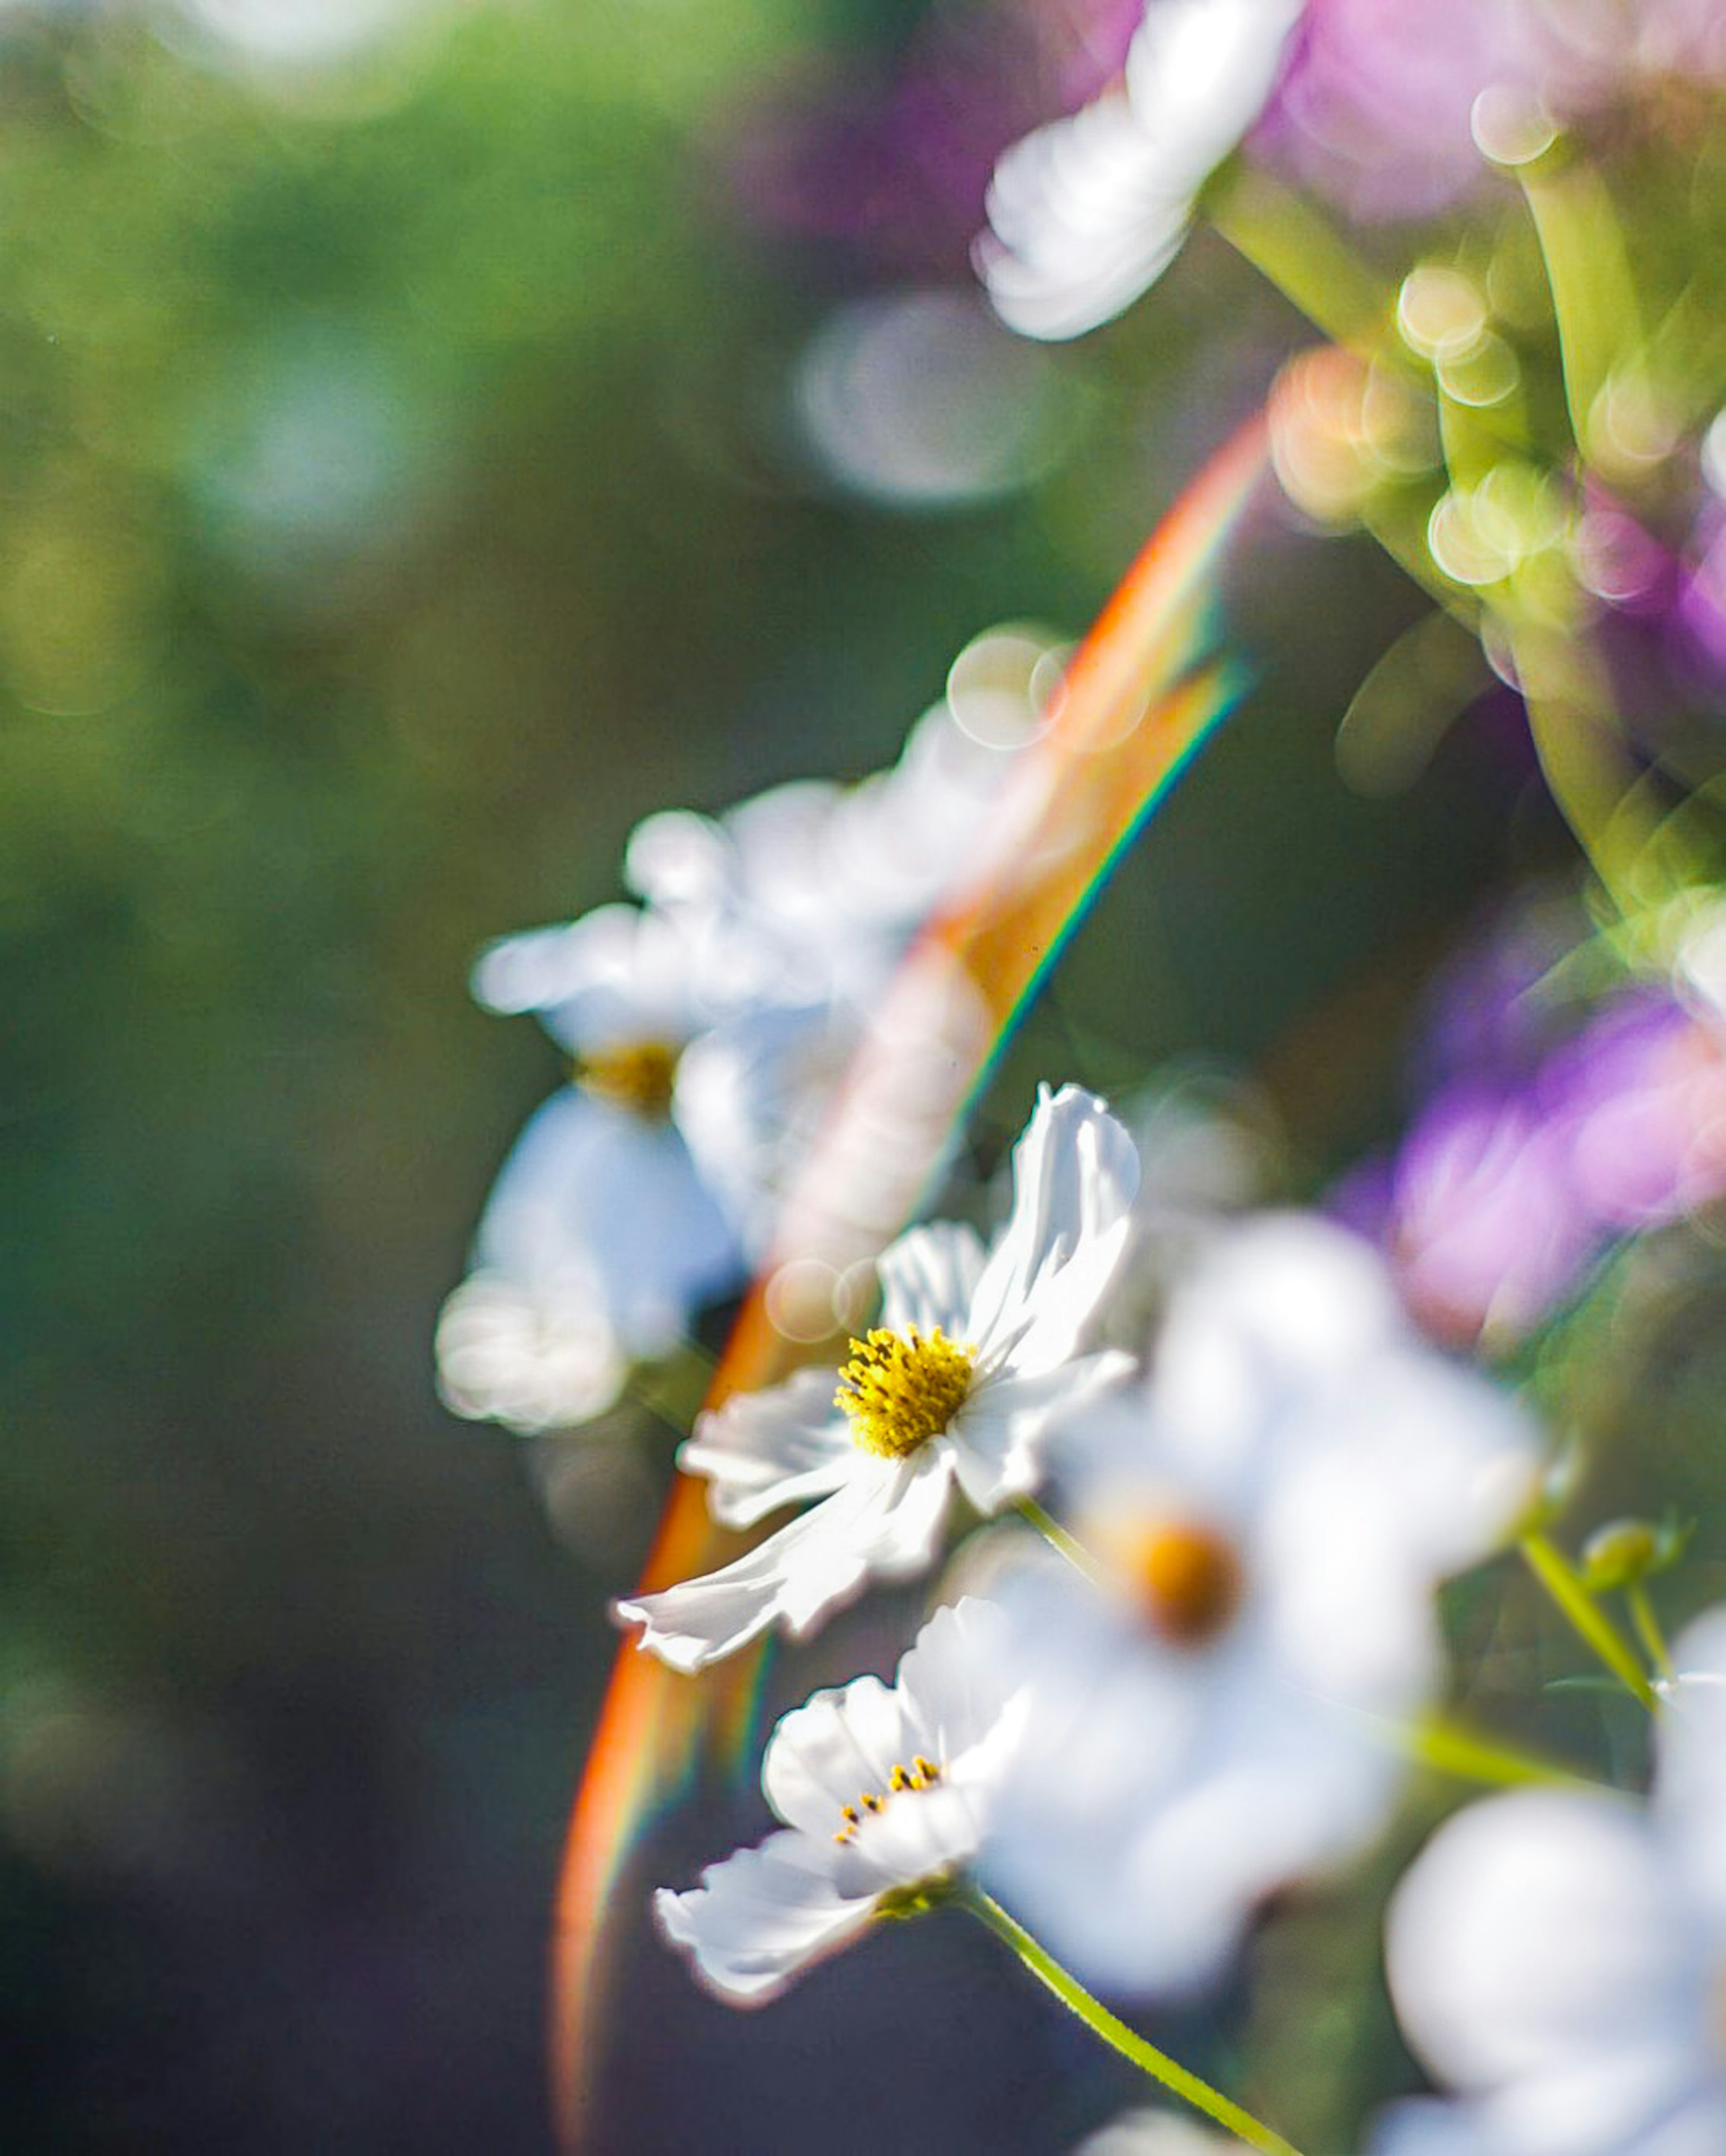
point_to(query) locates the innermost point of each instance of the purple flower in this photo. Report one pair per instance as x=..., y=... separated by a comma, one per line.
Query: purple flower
x=1524, y=1163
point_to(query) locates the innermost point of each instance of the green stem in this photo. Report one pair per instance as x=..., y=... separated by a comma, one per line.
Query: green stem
x=1594, y=300
x=1115, y=2032
x=1648, y=1631
x=1585, y=764
x=1057, y=1537
x=1453, y=1749
x=1293, y=248
x=1591, y=1624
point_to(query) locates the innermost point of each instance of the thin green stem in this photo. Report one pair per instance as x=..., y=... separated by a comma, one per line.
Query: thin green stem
x=1455, y=1749
x=1057, y=1537
x=1588, y=273
x=1588, y=771
x=1590, y=1623
x=1296, y=250
x=1648, y=1631
x=1115, y=2032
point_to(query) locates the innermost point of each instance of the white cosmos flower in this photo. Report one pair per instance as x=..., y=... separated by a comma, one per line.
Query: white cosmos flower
x=1086, y=212
x=883, y=1792
x=1270, y=1514
x=972, y=1360
x=604, y=1223
x=1559, y=1960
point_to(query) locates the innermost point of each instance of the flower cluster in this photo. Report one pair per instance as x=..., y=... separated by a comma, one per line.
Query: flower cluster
x=704, y=1024
x=1210, y=1475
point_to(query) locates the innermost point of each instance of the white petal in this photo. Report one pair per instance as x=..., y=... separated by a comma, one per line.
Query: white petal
x=950, y=1704
x=618, y=973
x=1063, y=1303
x=1536, y=1933
x=760, y=1919
x=1690, y=1785
x=918, y=1835
x=535, y=1358
x=762, y=1451
x=928, y=1278
x=1080, y=223
x=883, y=1524
x=1086, y=212
x=957, y=1681
x=1286, y=1299
x=1074, y=1171
x=591, y=1192
x=998, y=1435
x=1427, y=2128
x=1199, y=73
x=825, y=1753
x=1163, y=1792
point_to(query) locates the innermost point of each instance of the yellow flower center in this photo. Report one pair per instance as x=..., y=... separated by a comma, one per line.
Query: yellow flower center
x=636, y=1075
x=1186, y=1578
x=922, y=1774
x=900, y=1390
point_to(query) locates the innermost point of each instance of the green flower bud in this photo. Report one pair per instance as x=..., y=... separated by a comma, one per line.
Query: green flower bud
x=1620, y=1554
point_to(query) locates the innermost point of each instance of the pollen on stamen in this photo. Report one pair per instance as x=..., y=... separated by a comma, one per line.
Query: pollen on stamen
x=922, y=1774
x=638, y=1075
x=900, y=1389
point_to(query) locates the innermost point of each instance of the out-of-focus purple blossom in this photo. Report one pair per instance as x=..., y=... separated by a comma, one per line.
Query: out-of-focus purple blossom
x=1509, y=1185
x=1374, y=109
x=896, y=168
x=1485, y=1014
x=1476, y=1216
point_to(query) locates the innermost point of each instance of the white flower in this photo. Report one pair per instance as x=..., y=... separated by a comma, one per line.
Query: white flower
x=810, y=890
x=533, y=1359
x=601, y=1234
x=1270, y=1516
x=972, y=1360
x=708, y=1032
x=884, y=1793
x=1086, y=212
x=1559, y=1960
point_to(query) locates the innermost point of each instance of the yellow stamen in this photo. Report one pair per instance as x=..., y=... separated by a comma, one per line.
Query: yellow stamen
x=636, y=1075
x=900, y=1389
x=922, y=1774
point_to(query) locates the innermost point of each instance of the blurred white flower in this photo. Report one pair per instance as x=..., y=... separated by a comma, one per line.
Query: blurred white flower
x=532, y=1358
x=1560, y=1960
x=973, y=1359
x=601, y=1224
x=708, y=1030
x=885, y=1793
x=1270, y=1517
x=1086, y=212
x=809, y=890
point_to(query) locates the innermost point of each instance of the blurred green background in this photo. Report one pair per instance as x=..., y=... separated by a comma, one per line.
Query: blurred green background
x=401, y=493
